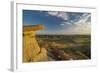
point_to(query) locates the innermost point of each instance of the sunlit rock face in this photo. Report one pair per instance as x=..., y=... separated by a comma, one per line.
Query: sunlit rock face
x=31, y=50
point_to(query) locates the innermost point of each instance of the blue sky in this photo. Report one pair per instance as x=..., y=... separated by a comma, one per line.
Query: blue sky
x=57, y=22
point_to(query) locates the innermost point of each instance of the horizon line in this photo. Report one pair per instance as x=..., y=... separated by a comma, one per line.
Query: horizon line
x=63, y=34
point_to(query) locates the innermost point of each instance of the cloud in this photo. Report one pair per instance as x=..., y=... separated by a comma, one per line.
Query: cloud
x=67, y=23
x=62, y=15
x=80, y=29
x=82, y=26
x=85, y=18
x=62, y=24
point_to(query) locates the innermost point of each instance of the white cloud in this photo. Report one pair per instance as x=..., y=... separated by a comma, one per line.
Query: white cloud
x=79, y=27
x=62, y=15
x=83, y=19
x=62, y=24
x=82, y=26
x=53, y=13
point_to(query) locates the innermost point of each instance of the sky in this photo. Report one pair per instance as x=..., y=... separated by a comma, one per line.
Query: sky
x=58, y=22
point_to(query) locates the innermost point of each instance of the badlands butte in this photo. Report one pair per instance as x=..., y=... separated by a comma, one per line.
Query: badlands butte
x=31, y=50
x=37, y=48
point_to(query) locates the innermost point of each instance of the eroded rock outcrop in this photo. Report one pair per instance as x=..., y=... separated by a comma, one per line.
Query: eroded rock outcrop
x=31, y=50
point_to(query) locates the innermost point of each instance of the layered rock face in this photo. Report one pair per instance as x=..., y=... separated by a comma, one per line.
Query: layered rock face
x=31, y=50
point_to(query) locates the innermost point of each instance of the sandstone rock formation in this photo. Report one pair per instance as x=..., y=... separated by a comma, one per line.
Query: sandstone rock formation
x=31, y=50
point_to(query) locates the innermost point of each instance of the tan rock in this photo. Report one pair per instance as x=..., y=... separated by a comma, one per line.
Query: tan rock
x=31, y=50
